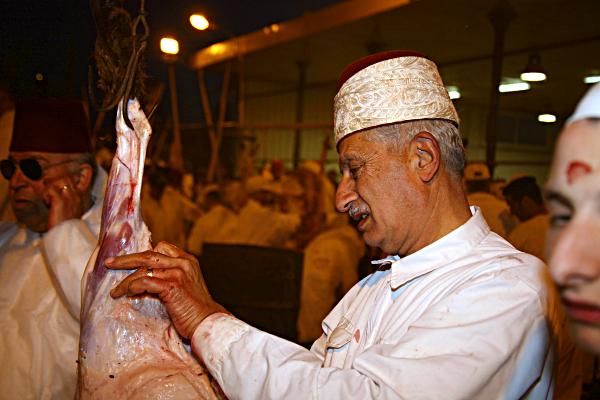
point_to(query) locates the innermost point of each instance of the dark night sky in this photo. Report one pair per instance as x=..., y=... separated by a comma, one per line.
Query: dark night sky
x=55, y=38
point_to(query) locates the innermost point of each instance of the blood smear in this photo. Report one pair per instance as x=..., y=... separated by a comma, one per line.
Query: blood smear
x=576, y=170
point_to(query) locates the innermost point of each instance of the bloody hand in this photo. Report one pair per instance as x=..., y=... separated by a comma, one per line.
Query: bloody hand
x=175, y=277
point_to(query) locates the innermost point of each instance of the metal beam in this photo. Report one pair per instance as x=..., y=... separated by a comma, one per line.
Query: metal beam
x=336, y=15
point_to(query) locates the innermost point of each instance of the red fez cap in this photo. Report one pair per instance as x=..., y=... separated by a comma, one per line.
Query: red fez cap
x=51, y=126
x=364, y=62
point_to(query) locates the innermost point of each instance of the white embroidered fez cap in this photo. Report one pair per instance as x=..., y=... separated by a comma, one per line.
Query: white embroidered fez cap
x=388, y=88
x=589, y=105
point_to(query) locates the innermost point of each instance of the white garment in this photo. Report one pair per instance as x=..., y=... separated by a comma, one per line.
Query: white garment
x=166, y=218
x=466, y=317
x=530, y=236
x=258, y=225
x=208, y=228
x=329, y=270
x=40, y=297
x=495, y=211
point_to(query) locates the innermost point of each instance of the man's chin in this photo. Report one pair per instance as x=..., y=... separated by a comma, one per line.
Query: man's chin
x=32, y=222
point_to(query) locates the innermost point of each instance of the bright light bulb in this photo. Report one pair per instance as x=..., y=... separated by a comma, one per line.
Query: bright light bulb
x=533, y=76
x=547, y=118
x=453, y=92
x=199, y=22
x=513, y=87
x=591, y=79
x=169, y=46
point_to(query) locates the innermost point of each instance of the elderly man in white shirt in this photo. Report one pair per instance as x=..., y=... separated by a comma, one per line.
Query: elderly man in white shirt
x=456, y=312
x=56, y=190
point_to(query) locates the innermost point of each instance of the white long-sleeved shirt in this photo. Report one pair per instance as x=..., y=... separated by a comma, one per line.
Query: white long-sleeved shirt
x=40, y=298
x=467, y=317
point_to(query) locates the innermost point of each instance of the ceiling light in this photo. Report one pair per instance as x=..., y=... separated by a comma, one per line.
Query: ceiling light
x=199, y=22
x=169, y=46
x=453, y=92
x=513, y=87
x=591, y=79
x=547, y=118
x=533, y=72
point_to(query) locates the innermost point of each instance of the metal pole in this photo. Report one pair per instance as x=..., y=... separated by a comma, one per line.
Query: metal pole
x=501, y=16
x=214, y=160
x=175, y=156
x=302, y=66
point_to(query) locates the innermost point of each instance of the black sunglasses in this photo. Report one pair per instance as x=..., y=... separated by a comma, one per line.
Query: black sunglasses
x=30, y=167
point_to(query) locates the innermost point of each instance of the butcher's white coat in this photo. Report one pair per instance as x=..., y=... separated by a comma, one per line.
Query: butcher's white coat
x=467, y=317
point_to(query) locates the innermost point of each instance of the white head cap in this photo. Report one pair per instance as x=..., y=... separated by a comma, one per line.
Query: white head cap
x=588, y=107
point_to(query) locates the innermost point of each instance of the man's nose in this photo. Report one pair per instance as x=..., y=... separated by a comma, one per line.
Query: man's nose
x=346, y=193
x=18, y=179
x=575, y=256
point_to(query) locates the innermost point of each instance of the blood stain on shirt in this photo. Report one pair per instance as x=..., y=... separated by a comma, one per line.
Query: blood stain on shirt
x=357, y=335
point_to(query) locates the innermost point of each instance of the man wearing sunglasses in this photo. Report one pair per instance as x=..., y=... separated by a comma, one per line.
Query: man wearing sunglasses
x=56, y=192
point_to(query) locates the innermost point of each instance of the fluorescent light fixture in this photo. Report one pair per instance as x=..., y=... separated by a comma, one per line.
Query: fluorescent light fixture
x=453, y=92
x=513, y=87
x=533, y=76
x=547, y=118
x=533, y=71
x=591, y=79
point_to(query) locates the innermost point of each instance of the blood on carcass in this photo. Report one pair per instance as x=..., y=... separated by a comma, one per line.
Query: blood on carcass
x=128, y=348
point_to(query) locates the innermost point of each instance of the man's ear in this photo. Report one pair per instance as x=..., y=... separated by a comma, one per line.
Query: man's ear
x=426, y=154
x=83, y=178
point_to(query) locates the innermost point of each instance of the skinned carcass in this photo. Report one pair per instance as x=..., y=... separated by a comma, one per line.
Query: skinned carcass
x=128, y=347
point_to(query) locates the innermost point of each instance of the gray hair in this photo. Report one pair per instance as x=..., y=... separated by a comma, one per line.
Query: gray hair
x=397, y=136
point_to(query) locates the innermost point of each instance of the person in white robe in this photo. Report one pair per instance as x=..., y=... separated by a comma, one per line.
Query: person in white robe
x=56, y=190
x=525, y=200
x=455, y=312
x=495, y=211
x=208, y=228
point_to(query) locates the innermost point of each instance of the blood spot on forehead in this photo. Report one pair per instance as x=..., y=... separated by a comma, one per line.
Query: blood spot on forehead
x=576, y=170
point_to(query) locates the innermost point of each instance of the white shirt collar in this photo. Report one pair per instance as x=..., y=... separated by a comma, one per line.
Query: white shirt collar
x=442, y=252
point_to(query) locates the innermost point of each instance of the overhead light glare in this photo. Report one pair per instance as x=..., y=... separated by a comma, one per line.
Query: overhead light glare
x=591, y=79
x=199, y=22
x=533, y=71
x=549, y=118
x=513, y=87
x=169, y=46
x=453, y=92
x=533, y=76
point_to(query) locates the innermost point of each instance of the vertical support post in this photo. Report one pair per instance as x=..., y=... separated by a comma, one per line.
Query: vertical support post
x=302, y=66
x=501, y=16
x=241, y=91
x=216, y=144
x=175, y=154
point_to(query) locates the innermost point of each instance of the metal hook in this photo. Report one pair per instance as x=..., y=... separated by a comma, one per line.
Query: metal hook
x=127, y=84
